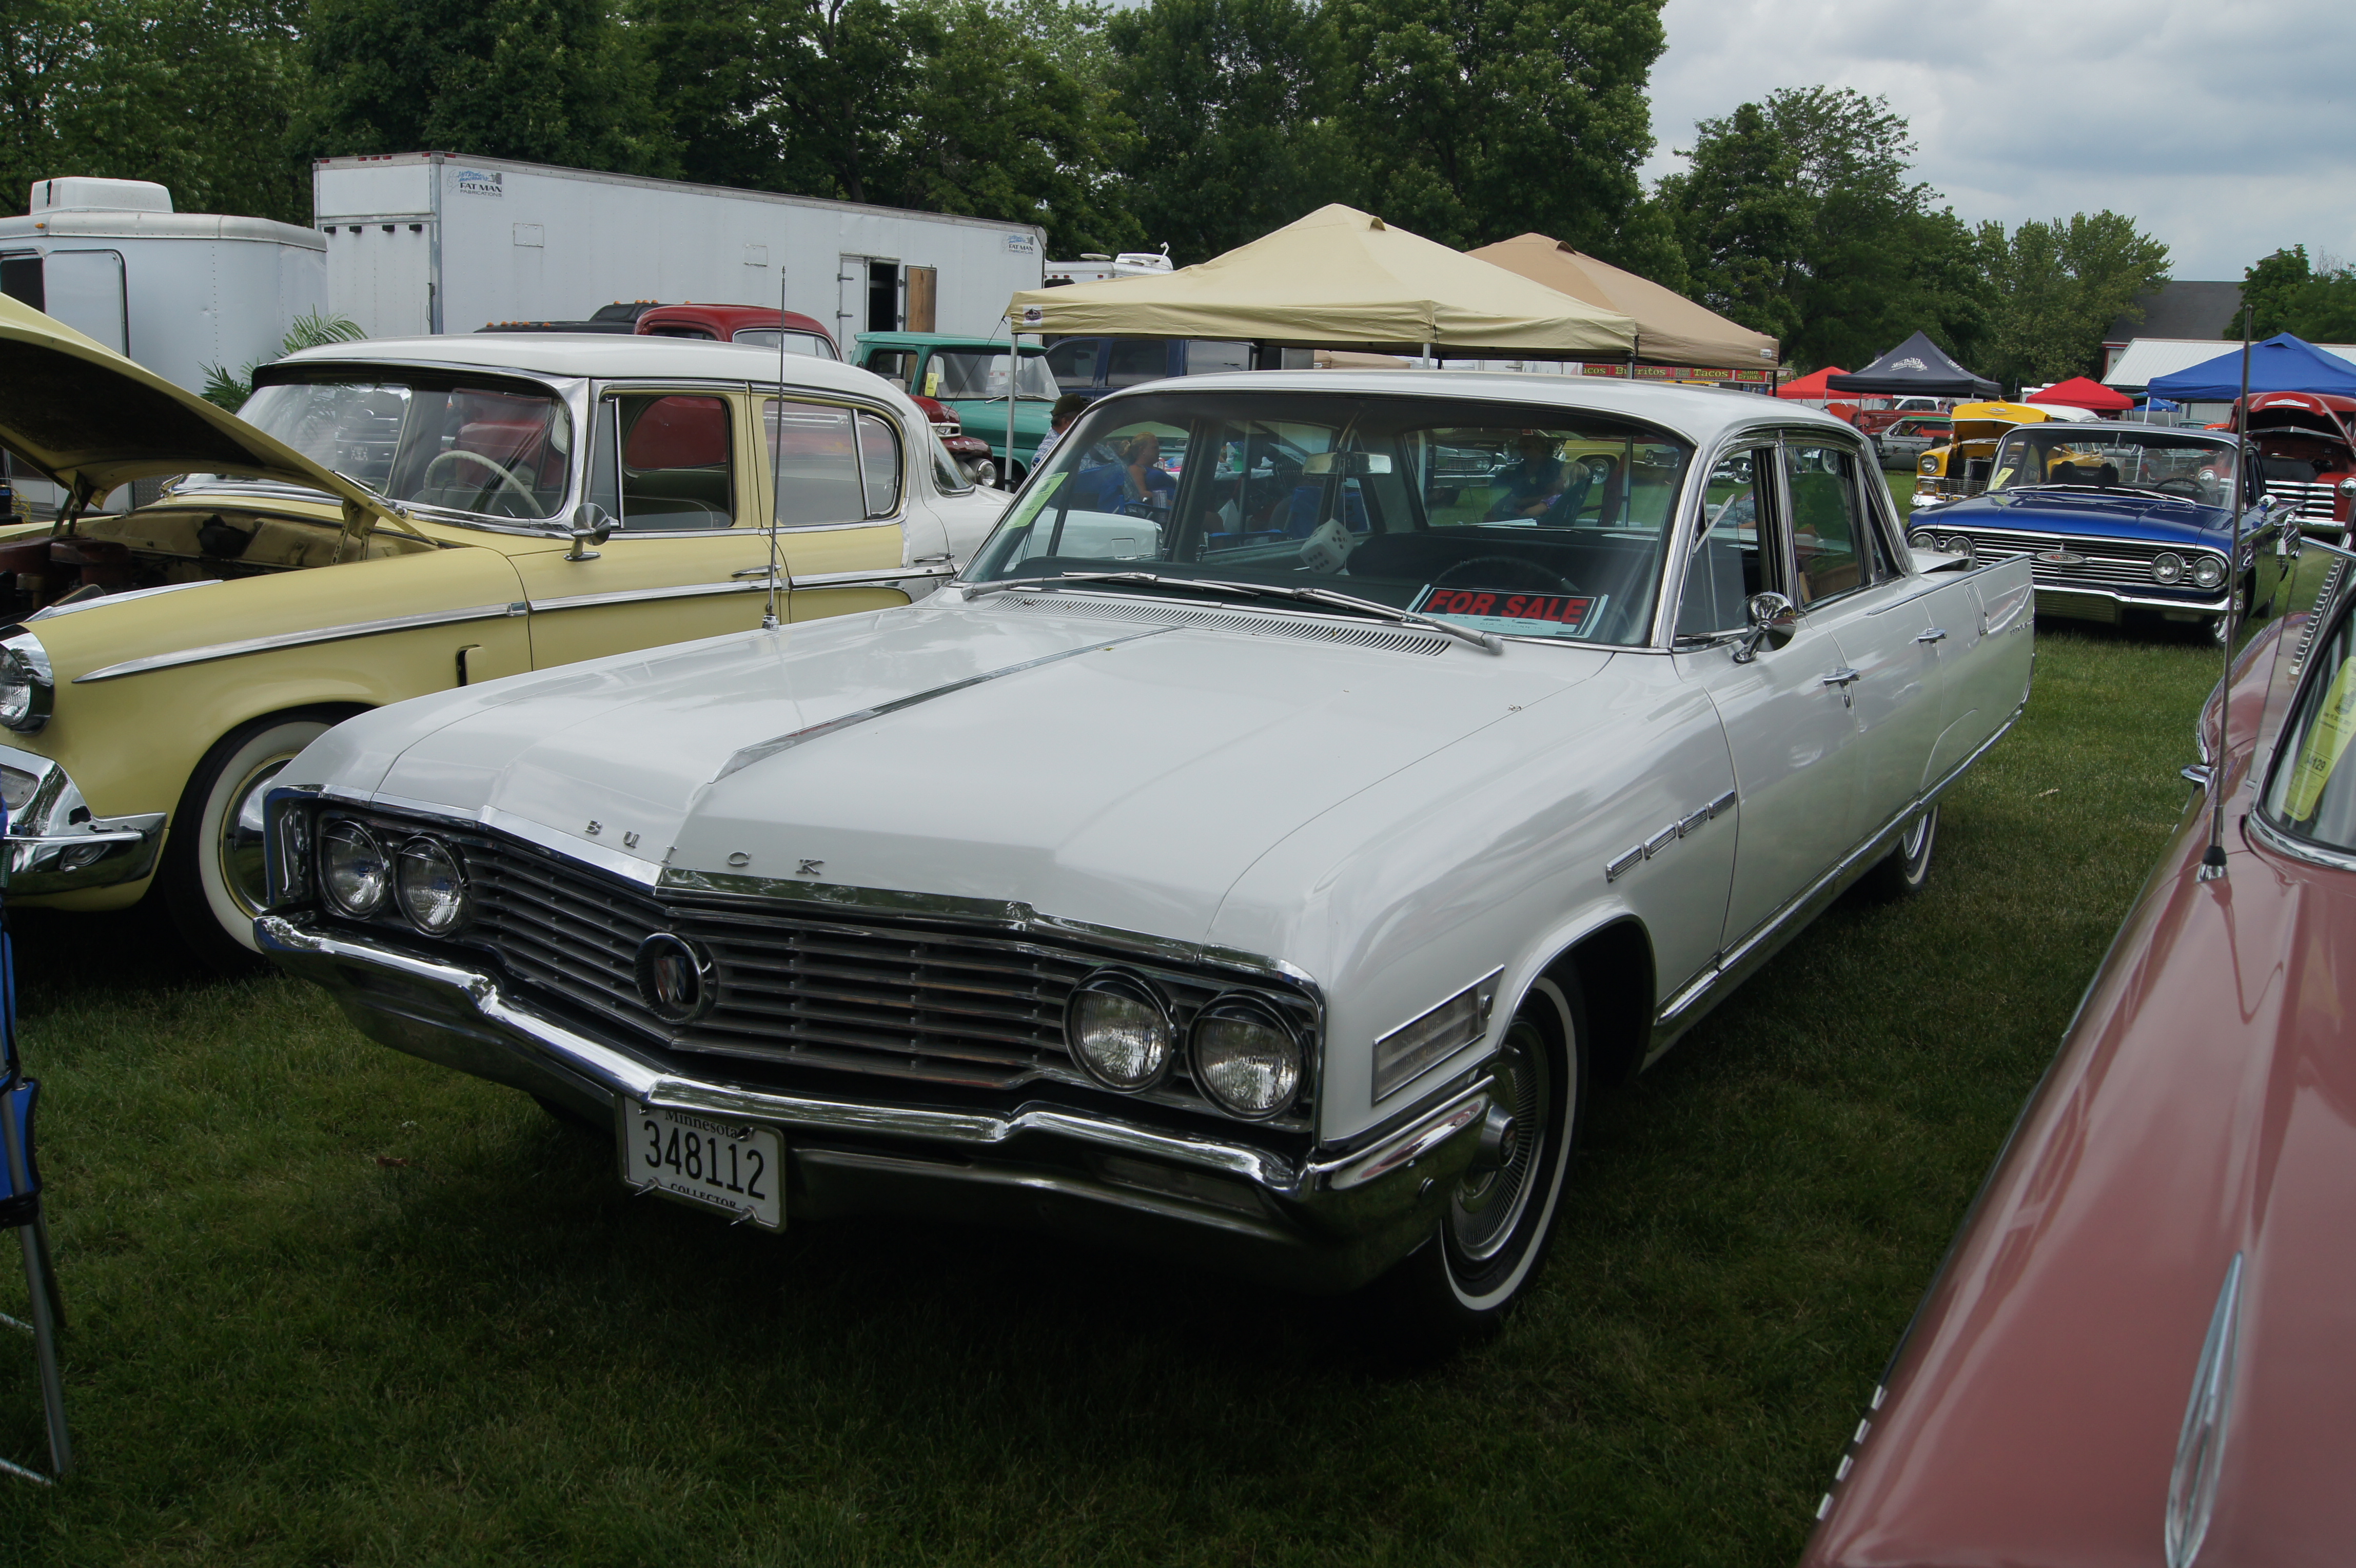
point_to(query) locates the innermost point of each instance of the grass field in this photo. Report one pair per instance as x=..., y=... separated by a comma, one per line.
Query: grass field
x=332, y=1306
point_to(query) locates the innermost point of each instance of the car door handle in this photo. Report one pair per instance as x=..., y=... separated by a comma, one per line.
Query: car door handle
x=1842, y=676
x=1935, y=634
x=754, y=571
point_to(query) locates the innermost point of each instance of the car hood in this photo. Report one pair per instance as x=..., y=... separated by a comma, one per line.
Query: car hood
x=1097, y=769
x=2118, y=515
x=93, y=419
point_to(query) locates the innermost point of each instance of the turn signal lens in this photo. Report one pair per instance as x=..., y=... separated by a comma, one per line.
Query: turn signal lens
x=1245, y=1059
x=2209, y=571
x=1119, y=1031
x=2166, y=567
x=432, y=887
x=353, y=869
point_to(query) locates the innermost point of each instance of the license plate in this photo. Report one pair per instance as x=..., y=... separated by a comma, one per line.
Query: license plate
x=729, y=1165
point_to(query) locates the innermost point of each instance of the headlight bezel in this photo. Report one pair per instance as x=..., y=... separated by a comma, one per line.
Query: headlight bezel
x=1128, y=984
x=1245, y=1007
x=2168, y=569
x=20, y=651
x=322, y=851
x=2208, y=572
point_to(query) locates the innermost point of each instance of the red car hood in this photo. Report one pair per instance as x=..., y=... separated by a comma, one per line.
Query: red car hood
x=2203, y=1105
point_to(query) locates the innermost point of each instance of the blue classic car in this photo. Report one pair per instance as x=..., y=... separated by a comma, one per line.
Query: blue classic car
x=2119, y=521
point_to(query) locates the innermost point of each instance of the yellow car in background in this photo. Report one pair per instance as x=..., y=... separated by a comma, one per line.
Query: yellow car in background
x=1960, y=468
x=388, y=519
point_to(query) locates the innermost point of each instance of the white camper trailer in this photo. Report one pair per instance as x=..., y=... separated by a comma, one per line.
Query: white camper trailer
x=421, y=242
x=176, y=291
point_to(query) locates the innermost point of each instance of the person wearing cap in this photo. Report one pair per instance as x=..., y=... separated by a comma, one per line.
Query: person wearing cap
x=1532, y=483
x=1059, y=419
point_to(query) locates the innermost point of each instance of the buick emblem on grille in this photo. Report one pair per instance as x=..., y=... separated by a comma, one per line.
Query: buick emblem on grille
x=675, y=978
x=2059, y=558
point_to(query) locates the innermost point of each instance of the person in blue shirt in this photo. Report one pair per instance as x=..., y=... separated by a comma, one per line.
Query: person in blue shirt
x=1130, y=481
x=1533, y=482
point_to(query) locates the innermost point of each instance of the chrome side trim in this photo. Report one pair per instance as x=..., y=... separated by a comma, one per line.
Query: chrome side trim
x=2274, y=838
x=892, y=579
x=2200, y=1445
x=763, y=750
x=1737, y=963
x=343, y=633
x=53, y=611
x=635, y=595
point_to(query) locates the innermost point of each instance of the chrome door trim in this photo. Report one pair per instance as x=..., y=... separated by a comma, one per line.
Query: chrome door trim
x=343, y=633
x=874, y=578
x=633, y=596
x=753, y=580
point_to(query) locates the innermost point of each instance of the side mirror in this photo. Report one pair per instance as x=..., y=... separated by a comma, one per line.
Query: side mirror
x=592, y=524
x=1774, y=621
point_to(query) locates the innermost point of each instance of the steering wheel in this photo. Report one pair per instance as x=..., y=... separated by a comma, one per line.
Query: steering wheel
x=2191, y=487
x=504, y=481
x=1531, y=573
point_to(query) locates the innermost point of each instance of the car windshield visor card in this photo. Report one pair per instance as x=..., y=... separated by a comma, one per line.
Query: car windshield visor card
x=1512, y=612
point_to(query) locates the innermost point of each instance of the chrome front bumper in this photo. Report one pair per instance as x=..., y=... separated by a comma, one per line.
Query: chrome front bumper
x=55, y=845
x=1332, y=1222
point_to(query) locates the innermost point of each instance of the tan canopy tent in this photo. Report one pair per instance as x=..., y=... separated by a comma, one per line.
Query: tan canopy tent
x=1670, y=329
x=1338, y=278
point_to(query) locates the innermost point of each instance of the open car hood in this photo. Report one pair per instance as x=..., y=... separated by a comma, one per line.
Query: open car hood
x=95, y=421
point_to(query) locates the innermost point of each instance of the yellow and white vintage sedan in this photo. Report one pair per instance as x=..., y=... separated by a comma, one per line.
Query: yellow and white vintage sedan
x=388, y=519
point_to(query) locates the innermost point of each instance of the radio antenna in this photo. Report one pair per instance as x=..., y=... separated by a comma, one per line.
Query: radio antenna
x=2212, y=863
x=777, y=449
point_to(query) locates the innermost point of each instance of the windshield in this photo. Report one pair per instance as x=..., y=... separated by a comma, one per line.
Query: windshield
x=2313, y=793
x=2102, y=455
x=1522, y=521
x=803, y=343
x=976, y=372
x=492, y=451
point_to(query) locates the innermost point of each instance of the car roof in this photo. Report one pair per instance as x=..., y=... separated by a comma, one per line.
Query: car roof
x=731, y=316
x=598, y=354
x=1702, y=414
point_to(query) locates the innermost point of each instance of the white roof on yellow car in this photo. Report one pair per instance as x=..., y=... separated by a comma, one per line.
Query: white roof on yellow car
x=598, y=354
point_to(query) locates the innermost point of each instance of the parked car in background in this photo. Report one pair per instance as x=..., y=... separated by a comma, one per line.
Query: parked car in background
x=1902, y=444
x=390, y=518
x=1874, y=420
x=2136, y=1350
x=968, y=375
x=620, y=319
x=2305, y=452
x=1961, y=468
x=1095, y=366
x=2117, y=521
x=1292, y=893
x=762, y=327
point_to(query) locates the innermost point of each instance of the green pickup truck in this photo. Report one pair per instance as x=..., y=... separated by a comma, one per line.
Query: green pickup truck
x=969, y=374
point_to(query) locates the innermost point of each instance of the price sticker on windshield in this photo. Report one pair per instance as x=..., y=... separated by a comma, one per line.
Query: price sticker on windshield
x=1514, y=612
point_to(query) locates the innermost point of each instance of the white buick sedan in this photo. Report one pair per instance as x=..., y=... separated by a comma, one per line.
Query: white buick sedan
x=1317, y=784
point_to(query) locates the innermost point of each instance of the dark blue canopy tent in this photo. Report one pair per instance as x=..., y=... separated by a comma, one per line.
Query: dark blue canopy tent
x=2279, y=364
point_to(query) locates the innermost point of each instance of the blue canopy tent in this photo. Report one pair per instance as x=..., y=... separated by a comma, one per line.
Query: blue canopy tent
x=2279, y=364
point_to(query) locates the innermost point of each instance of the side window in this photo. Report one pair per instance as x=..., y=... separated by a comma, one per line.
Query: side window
x=895, y=365
x=879, y=464
x=677, y=467
x=1134, y=361
x=815, y=456
x=1827, y=525
x=1072, y=363
x=1737, y=513
x=1204, y=357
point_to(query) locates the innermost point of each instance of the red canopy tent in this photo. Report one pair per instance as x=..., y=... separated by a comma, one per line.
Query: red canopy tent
x=1811, y=386
x=2079, y=393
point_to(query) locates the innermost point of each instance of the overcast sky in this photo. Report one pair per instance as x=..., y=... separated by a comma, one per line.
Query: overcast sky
x=2225, y=129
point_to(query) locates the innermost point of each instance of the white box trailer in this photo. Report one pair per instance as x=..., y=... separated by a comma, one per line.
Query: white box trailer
x=176, y=291
x=424, y=243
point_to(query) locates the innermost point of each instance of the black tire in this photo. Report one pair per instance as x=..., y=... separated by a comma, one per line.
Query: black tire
x=207, y=878
x=1459, y=1284
x=1902, y=872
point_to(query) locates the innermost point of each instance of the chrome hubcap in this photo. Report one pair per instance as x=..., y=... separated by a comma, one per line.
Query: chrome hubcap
x=1487, y=1206
x=240, y=849
x=1911, y=844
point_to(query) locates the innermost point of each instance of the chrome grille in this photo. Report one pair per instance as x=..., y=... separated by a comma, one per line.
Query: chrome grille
x=2108, y=564
x=920, y=999
x=2313, y=501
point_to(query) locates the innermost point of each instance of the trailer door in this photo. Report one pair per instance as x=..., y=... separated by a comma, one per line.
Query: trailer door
x=84, y=289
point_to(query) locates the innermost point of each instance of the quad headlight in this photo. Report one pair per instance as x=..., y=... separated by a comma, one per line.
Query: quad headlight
x=432, y=886
x=1928, y=466
x=27, y=685
x=2208, y=570
x=2166, y=567
x=1921, y=539
x=1119, y=1031
x=353, y=870
x=1246, y=1058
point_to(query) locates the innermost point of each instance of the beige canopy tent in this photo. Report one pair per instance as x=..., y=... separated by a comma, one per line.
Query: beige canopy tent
x=1338, y=278
x=1670, y=329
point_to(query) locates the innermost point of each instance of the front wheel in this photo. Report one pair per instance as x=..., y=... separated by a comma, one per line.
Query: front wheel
x=1458, y=1284
x=1906, y=868
x=213, y=873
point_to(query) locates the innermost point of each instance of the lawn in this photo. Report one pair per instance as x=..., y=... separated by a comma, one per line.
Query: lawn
x=331, y=1304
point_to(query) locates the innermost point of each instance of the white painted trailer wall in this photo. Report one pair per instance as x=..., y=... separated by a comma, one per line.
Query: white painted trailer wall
x=440, y=243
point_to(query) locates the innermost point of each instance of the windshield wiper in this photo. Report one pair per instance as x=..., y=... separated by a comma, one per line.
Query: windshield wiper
x=1486, y=642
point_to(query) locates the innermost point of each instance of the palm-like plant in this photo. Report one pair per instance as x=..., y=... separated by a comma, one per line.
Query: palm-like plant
x=310, y=329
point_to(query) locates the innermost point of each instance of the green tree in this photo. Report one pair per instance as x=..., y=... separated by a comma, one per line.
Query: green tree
x=1478, y=120
x=557, y=81
x=1234, y=135
x=2286, y=292
x=2059, y=285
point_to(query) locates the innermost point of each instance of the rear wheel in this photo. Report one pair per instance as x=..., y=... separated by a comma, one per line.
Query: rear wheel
x=212, y=875
x=1459, y=1284
x=1906, y=868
